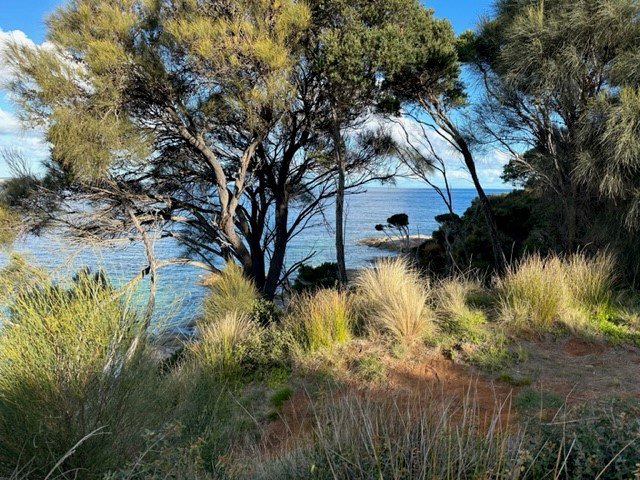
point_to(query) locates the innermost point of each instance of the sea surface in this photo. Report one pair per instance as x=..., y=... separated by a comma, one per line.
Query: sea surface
x=179, y=294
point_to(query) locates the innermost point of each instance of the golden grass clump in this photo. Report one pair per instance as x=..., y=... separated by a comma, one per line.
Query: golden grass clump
x=223, y=343
x=321, y=319
x=538, y=292
x=229, y=291
x=393, y=300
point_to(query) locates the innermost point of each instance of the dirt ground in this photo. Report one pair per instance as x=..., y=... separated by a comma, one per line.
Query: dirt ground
x=575, y=370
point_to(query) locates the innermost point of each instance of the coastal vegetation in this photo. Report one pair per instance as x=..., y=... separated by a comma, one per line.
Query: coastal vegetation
x=84, y=393
x=506, y=345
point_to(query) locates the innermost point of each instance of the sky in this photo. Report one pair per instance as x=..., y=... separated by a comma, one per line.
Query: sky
x=24, y=20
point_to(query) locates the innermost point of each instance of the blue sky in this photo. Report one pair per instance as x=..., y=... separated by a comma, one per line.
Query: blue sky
x=25, y=18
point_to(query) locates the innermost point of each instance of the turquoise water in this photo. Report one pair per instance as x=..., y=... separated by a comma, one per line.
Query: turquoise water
x=178, y=292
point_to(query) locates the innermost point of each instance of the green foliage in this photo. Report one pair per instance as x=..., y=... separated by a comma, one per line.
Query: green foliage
x=278, y=398
x=229, y=292
x=68, y=370
x=320, y=320
x=494, y=353
x=454, y=314
x=8, y=225
x=531, y=399
x=371, y=368
x=593, y=442
x=525, y=222
x=324, y=275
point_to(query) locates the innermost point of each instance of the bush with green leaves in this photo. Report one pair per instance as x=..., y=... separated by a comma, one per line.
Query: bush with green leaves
x=69, y=371
x=309, y=277
x=594, y=441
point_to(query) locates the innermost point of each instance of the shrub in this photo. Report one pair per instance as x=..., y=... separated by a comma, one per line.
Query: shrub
x=594, y=441
x=393, y=299
x=320, y=320
x=454, y=315
x=324, y=275
x=67, y=369
x=229, y=291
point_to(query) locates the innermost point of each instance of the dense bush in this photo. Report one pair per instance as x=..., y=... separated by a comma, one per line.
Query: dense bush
x=525, y=224
x=324, y=275
x=68, y=372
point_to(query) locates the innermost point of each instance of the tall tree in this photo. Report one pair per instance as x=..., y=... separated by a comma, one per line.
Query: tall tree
x=424, y=78
x=156, y=111
x=349, y=44
x=561, y=98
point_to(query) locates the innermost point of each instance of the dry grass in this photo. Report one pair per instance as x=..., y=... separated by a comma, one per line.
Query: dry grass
x=539, y=292
x=393, y=300
x=419, y=436
x=320, y=320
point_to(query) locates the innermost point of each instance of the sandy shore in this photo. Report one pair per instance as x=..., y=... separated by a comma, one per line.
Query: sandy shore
x=394, y=243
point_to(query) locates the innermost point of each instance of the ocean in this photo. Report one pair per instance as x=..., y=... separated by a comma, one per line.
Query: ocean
x=179, y=294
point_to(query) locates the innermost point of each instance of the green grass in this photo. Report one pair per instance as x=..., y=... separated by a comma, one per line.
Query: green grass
x=279, y=397
x=540, y=294
x=371, y=368
x=531, y=399
x=320, y=320
x=455, y=316
x=229, y=292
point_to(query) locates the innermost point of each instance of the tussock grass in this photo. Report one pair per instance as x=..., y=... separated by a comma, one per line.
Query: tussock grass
x=320, y=320
x=533, y=293
x=229, y=291
x=454, y=315
x=393, y=300
x=67, y=369
x=224, y=343
x=540, y=292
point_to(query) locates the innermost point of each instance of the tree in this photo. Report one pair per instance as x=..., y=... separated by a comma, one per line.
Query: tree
x=424, y=79
x=351, y=43
x=156, y=112
x=561, y=99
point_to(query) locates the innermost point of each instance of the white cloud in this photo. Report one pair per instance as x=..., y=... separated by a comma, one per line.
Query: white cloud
x=13, y=135
x=409, y=132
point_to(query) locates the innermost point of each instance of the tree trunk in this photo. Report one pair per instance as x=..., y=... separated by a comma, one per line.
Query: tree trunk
x=499, y=257
x=340, y=165
x=279, y=248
